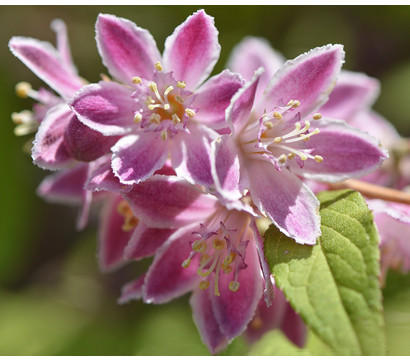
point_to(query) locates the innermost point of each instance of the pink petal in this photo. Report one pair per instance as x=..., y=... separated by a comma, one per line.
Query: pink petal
x=346, y=151
x=132, y=290
x=376, y=125
x=166, y=279
x=288, y=203
x=353, y=92
x=192, y=51
x=106, y=107
x=309, y=78
x=43, y=59
x=234, y=310
x=206, y=323
x=137, y=157
x=214, y=97
x=65, y=186
x=145, y=241
x=63, y=46
x=294, y=327
x=112, y=238
x=239, y=111
x=251, y=54
x=49, y=151
x=393, y=223
x=85, y=144
x=126, y=49
x=267, y=318
x=166, y=201
x=226, y=168
x=191, y=155
x=103, y=179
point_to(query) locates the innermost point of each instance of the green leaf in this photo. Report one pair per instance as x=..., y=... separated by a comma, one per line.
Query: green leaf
x=275, y=343
x=334, y=285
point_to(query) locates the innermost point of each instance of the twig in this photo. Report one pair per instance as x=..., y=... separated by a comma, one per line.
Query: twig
x=373, y=191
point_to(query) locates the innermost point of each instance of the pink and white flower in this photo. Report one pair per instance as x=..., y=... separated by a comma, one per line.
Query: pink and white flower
x=272, y=143
x=162, y=106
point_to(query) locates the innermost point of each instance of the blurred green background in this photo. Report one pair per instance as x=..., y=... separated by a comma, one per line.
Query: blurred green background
x=53, y=300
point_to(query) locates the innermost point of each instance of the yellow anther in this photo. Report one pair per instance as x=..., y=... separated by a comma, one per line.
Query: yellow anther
x=316, y=131
x=303, y=157
x=137, y=118
x=155, y=118
x=164, y=135
x=167, y=106
x=318, y=158
x=277, y=140
x=190, y=112
x=181, y=84
x=204, y=258
x=22, y=89
x=282, y=158
x=229, y=259
x=153, y=87
x=25, y=116
x=204, y=284
x=136, y=80
x=152, y=107
x=129, y=224
x=123, y=208
x=227, y=269
x=295, y=103
x=199, y=246
x=317, y=116
x=186, y=263
x=277, y=115
x=218, y=244
x=269, y=124
x=158, y=66
x=291, y=156
x=290, y=103
x=234, y=286
x=149, y=100
x=307, y=125
x=175, y=119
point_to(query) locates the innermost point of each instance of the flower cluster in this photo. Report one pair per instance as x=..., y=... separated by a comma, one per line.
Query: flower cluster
x=187, y=165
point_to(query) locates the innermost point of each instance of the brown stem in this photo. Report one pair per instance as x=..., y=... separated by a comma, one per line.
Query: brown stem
x=373, y=191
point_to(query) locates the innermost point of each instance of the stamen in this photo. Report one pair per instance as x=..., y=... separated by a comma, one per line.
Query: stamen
x=317, y=116
x=23, y=89
x=137, y=118
x=175, y=119
x=277, y=140
x=152, y=107
x=158, y=66
x=291, y=156
x=191, y=113
x=234, y=286
x=277, y=115
x=136, y=80
x=269, y=124
x=154, y=88
x=186, y=263
x=181, y=84
x=199, y=246
x=318, y=158
x=282, y=159
x=293, y=103
x=218, y=244
x=155, y=118
x=204, y=284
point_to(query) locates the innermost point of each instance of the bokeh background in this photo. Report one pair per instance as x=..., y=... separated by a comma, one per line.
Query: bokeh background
x=53, y=299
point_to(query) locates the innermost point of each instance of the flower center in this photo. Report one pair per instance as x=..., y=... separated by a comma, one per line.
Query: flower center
x=219, y=254
x=281, y=136
x=130, y=220
x=165, y=105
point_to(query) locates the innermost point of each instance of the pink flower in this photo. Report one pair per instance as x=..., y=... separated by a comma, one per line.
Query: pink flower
x=198, y=246
x=272, y=143
x=162, y=108
x=61, y=138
